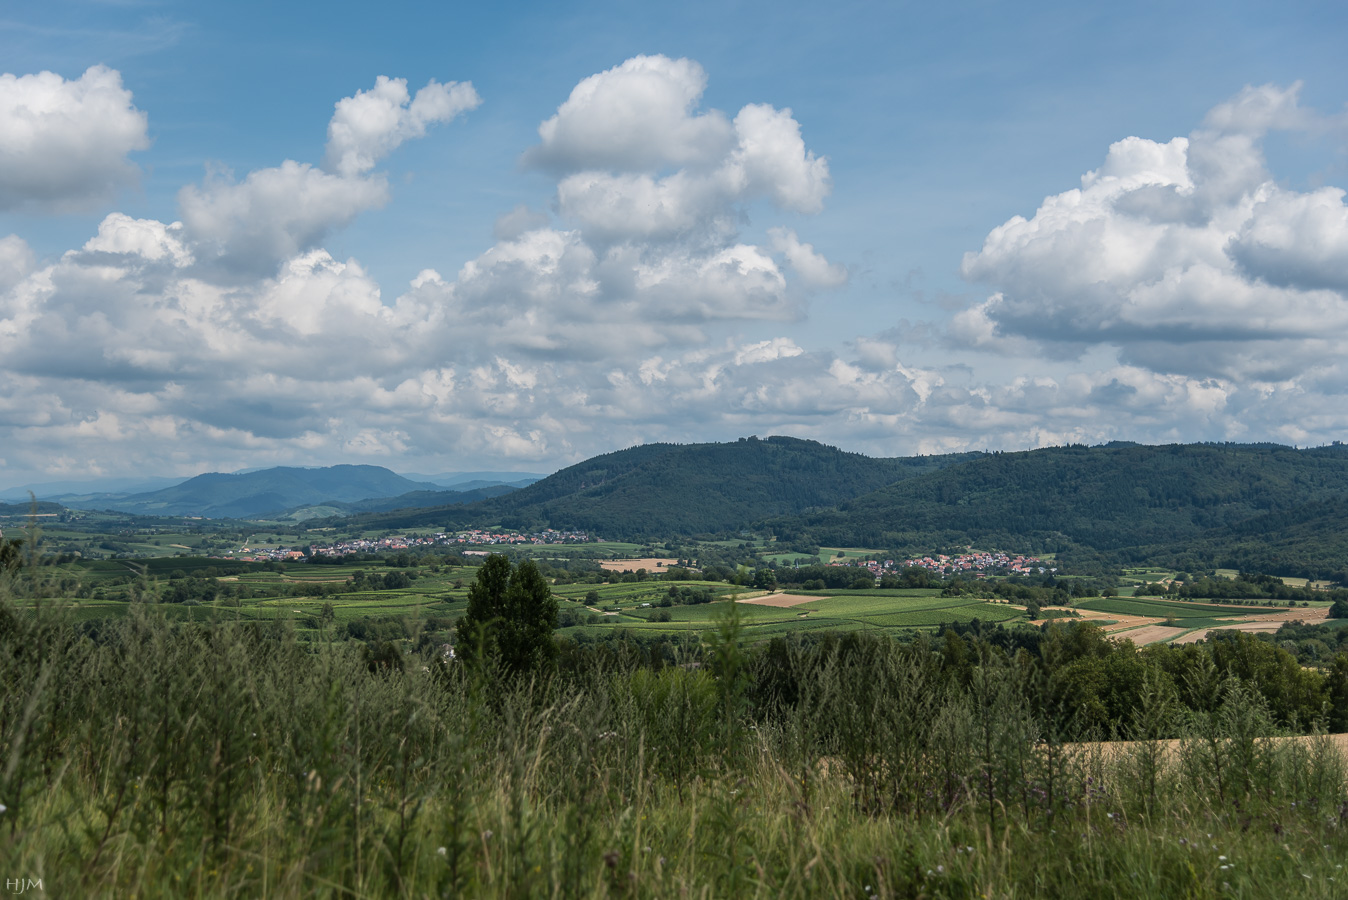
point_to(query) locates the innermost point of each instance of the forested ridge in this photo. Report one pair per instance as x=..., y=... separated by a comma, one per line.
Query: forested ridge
x=669, y=489
x=1250, y=506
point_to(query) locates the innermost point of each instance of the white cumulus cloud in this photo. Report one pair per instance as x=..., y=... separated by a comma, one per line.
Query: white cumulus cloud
x=249, y=227
x=637, y=116
x=1188, y=256
x=370, y=125
x=64, y=143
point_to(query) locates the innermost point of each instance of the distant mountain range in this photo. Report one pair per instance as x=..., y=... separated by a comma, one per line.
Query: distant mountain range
x=333, y=490
x=336, y=490
x=75, y=489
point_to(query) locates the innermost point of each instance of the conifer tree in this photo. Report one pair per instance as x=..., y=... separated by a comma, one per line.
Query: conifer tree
x=510, y=619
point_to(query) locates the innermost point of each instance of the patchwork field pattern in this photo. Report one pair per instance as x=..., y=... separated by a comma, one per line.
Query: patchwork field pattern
x=851, y=611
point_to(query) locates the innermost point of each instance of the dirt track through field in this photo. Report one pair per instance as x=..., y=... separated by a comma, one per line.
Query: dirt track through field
x=782, y=600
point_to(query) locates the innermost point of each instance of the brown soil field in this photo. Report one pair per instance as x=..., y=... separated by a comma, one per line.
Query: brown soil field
x=1113, y=748
x=1112, y=752
x=1266, y=623
x=1194, y=637
x=1150, y=634
x=1150, y=630
x=1121, y=623
x=1299, y=614
x=782, y=600
x=650, y=564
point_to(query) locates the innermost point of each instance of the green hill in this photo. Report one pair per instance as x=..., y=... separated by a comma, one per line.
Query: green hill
x=1122, y=502
x=15, y=513
x=1308, y=541
x=669, y=489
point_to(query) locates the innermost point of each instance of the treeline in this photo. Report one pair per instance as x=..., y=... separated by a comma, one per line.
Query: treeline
x=1097, y=682
x=1245, y=586
x=1033, y=592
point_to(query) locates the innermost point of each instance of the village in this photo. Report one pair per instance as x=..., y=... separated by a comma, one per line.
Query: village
x=980, y=564
x=402, y=543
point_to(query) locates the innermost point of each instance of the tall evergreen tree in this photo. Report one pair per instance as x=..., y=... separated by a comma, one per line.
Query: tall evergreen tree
x=511, y=616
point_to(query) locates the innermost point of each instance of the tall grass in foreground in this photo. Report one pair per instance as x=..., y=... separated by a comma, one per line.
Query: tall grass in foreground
x=164, y=760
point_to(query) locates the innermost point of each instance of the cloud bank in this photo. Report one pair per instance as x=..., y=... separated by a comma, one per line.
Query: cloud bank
x=1179, y=293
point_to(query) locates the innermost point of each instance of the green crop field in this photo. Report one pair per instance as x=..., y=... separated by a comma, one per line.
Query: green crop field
x=846, y=611
x=1136, y=606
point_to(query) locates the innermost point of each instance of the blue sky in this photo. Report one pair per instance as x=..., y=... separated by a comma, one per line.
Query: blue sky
x=684, y=259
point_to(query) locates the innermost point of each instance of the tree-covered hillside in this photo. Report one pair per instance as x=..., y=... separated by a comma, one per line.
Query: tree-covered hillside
x=1309, y=541
x=668, y=489
x=16, y=514
x=411, y=500
x=1111, y=500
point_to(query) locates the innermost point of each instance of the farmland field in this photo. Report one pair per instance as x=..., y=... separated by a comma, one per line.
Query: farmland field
x=1137, y=606
x=849, y=611
x=649, y=563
